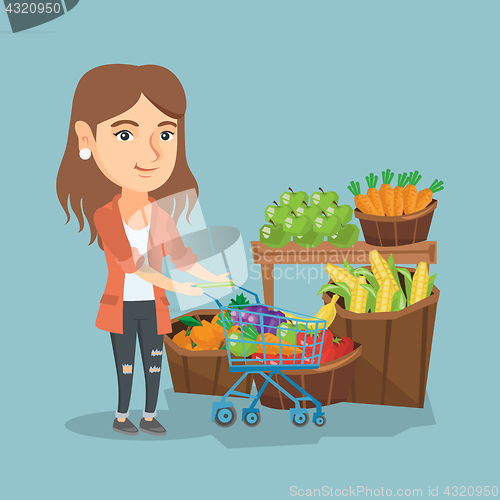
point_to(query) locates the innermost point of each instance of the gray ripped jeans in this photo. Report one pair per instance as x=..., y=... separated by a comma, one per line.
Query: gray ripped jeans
x=139, y=319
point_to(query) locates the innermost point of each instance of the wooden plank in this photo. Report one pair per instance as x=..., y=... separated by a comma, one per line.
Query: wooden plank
x=358, y=254
x=268, y=283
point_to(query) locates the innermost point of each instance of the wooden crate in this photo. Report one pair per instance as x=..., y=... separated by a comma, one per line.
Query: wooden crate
x=201, y=372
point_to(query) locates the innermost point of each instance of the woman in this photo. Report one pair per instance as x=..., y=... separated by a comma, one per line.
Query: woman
x=125, y=150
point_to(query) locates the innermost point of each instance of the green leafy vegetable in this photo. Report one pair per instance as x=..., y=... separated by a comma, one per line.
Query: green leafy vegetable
x=240, y=302
x=431, y=284
x=372, y=297
x=361, y=271
x=341, y=289
x=227, y=321
x=326, y=288
x=189, y=321
x=398, y=301
x=408, y=283
x=348, y=267
x=393, y=269
x=228, y=324
x=250, y=332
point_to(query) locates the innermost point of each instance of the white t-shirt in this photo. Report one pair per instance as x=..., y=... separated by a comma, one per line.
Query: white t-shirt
x=135, y=288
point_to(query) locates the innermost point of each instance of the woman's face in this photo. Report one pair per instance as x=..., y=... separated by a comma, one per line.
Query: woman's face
x=136, y=149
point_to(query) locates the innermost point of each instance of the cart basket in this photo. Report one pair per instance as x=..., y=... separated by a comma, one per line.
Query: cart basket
x=260, y=335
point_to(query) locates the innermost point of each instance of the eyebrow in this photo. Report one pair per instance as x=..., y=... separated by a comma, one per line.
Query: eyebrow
x=166, y=123
x=121, y=122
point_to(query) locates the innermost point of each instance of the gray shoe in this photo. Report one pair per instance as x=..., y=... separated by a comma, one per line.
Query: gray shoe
x=153, y=427
x=126, y=427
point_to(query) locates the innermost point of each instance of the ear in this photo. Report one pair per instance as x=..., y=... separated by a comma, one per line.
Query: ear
x=85, y=135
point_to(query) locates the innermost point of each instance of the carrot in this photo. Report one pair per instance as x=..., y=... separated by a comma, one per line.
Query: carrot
x=398, y=194
x=410, y=193
x=272, y=345
x=373, y=193
x=362, y=201
x=387, y=193
x=425, y=196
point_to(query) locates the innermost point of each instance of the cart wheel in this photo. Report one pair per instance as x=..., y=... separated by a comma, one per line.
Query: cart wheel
x=320, y=421
x=225, y=417
x=300, y=419
x=252, y=419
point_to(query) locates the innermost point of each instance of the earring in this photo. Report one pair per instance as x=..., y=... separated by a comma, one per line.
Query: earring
x=85, y=153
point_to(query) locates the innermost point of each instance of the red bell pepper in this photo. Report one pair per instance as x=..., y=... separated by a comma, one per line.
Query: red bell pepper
x=342, y=346
x=328, y=353
x=311, y=344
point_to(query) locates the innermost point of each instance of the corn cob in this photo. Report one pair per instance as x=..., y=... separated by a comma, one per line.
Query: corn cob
x=384, y=297
x=337, y=273
x=419, y=283
x=381, y=270
x=359, y=296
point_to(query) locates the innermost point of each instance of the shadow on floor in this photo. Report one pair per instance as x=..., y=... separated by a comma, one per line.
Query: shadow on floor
x=189, y=416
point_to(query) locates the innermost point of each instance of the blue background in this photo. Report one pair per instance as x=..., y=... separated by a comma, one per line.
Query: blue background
x=279, y=94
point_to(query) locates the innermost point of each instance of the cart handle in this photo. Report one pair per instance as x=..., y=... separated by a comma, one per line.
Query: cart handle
x=241, y=288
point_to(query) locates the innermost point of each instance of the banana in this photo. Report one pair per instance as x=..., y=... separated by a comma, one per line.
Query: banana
x=326, y=313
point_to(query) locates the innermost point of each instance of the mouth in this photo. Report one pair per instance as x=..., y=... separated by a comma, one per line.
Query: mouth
x=145, y=170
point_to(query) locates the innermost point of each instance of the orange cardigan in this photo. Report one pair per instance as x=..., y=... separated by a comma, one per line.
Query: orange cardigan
x=164, y=239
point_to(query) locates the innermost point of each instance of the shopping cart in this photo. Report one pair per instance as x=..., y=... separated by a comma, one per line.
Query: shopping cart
x=267, y=355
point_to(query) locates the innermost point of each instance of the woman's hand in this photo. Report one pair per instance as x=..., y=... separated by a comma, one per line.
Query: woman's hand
x=222, y=277
x=202, y=273
x=187, y=288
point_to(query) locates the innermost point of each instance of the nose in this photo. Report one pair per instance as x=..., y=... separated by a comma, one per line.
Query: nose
x=155, y=147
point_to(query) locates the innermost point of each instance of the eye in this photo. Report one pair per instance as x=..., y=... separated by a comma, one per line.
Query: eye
x=124, y=135
x=166, y=136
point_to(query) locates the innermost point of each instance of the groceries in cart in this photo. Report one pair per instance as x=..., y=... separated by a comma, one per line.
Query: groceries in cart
x=273, y=336
x=245, y=330
x=281, y=338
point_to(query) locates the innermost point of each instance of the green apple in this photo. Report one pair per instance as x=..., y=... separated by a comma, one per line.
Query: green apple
x=297, y=225
x=274, y=236
x=292, y=200
x=326, y=225
x=311, y=212
x=277, y=213
x=346, y=236
x=343, y=212
x=324, y=200
x=310, y=240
